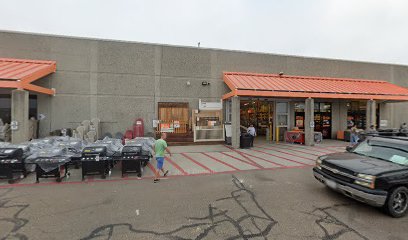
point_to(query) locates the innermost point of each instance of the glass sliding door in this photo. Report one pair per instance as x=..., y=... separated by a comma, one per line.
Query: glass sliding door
x=282, y=119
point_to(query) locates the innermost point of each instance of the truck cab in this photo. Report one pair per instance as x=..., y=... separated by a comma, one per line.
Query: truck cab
x=374, y=172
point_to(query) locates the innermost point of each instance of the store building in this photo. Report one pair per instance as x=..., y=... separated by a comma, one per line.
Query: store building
x=278, y=103
x=119, y=82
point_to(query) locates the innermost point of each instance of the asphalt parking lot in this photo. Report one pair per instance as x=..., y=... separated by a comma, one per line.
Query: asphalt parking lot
x=281, y=203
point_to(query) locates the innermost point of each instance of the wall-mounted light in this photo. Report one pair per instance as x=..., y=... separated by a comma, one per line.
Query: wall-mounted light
x=205, y=83
x=188, y=83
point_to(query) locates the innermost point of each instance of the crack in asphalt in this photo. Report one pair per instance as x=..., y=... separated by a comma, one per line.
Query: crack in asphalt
x=215, y=218
x=17, y=221
x=325, y=220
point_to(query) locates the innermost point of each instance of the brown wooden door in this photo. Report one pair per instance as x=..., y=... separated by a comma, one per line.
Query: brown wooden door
x=170, y=112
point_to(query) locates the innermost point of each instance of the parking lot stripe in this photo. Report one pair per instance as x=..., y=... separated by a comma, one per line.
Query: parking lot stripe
x=196, y=162
x=152, y=168
x=287, y=159
x=220, y=161
x=310, y=151
x=291, y=154
x=324, y=151
x=249, y=163
x=176, y=166
x=291, y=149
x=267, y=160
x=250, y=160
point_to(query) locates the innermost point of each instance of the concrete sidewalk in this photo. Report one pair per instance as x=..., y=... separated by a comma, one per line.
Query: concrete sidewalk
x=214, y=159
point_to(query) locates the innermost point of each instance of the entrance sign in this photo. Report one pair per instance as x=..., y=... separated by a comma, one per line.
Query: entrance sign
x=202, y=105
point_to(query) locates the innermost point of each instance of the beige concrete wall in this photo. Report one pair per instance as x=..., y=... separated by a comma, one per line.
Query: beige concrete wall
x=119, y=81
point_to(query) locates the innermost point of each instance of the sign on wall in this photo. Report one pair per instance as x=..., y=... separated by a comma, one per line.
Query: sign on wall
x=166, y=127
x=41, y=116
x=383, y=123
x=203, y=105
x=14, y=125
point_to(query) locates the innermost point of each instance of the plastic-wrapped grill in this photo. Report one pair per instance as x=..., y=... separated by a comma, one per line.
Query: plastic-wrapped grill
x=113, y=145
x=73, y=145
x=50, y=158
x=146, y=142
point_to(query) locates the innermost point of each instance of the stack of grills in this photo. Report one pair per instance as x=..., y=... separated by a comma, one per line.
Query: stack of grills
x=99, y=157
x=12, y=161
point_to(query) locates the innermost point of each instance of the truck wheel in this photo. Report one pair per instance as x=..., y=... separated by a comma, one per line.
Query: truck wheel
x=397, y=202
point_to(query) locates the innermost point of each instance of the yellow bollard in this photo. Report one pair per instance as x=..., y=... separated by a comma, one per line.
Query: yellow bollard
x=277, y=134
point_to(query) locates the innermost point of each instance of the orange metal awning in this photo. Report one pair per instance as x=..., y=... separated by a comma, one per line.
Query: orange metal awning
x=20, y=73
x=273, y=85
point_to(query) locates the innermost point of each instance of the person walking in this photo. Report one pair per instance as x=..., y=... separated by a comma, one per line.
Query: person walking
x=159, y=148
x=251, y=130
x=354, y=135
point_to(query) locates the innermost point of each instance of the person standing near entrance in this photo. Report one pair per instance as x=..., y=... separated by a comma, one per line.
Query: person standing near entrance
x=251, y=130
x=159, y=148
x=354, y=135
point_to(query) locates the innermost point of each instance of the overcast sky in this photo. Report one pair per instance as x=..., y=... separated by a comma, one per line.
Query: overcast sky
x=366, y=30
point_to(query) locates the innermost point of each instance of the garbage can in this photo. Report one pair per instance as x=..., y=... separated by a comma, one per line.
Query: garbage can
x=245, y=140
x=347, y=135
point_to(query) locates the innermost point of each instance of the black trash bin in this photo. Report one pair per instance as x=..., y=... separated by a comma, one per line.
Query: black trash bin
x=347, y=136
x=245, y=140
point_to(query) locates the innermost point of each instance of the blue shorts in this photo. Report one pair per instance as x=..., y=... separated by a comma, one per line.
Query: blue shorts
x=160, y=162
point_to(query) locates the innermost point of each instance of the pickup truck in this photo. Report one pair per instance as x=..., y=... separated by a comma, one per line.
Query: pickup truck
x=374, y=171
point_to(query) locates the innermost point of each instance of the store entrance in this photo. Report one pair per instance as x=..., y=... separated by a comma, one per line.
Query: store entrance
x=260, y=114
x=322, y=118
x=356, y=114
